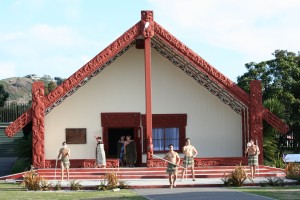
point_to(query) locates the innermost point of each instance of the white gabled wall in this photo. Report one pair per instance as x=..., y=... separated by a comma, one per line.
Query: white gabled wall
x=213, y=127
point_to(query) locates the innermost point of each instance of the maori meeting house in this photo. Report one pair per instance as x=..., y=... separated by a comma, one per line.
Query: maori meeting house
x=151, y=86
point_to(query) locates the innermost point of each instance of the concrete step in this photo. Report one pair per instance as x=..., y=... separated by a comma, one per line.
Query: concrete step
x=146, y=173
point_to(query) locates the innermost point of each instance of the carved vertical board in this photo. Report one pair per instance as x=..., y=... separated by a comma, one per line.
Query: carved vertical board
x=38, y=128
x=256, y=115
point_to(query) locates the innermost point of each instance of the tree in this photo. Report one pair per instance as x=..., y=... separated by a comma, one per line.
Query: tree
x=59, y=80
x=272, y=138
x=280, y=79
x=3, y=96
x=51, y=86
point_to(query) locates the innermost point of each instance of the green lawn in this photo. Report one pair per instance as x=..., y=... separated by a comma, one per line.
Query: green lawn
x=13, y=191
x=284, y=193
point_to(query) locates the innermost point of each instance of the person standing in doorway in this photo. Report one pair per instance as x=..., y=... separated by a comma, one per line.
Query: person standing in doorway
x=253, y=152
x=130, y=151
x=190, y=153
x=100, y=154
x=63, y=155
x=120, y=152
x=173, y=161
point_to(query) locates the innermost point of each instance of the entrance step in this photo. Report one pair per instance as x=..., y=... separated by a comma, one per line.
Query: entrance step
x=140, y=173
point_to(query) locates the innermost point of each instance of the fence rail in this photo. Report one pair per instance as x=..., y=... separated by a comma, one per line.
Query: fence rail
x=10, y=112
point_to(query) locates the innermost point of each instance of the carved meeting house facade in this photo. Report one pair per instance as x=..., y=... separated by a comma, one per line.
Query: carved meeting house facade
x=149, y=85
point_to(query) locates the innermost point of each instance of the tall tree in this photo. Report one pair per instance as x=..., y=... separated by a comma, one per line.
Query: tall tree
x=280, y=79
x=3, y=96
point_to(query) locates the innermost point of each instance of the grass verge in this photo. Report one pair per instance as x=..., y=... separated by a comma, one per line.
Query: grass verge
x=284, y=192
x=14, y=191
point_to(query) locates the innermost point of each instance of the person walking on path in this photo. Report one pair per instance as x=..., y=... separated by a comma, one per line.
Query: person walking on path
x=190, y=153
x=173, y=161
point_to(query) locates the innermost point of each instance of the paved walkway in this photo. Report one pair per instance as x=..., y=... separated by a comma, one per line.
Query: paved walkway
x=196, y=194
x=163, y=183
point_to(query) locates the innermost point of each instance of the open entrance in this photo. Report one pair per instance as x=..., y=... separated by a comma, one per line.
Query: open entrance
x=114, y=125
x=114, y=134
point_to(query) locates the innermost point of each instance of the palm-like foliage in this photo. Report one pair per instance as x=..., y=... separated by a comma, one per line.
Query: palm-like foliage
x=272, y=146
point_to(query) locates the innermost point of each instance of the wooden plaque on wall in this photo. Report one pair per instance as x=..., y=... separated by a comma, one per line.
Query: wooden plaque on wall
x=76, y=135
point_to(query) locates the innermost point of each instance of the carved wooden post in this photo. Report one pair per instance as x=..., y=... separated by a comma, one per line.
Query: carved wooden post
x=38, y=114
x=256, y=116
x=147, y=30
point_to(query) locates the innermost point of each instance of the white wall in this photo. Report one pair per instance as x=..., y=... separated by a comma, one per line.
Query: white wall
x=213, y=127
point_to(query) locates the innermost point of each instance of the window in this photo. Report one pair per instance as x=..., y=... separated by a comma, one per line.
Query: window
x=166, y=129
x=162, y=137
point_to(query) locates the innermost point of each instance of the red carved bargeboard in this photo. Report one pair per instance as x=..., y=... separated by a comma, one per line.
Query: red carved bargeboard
x=202, y=162
x=82, y=163
x=38, y=128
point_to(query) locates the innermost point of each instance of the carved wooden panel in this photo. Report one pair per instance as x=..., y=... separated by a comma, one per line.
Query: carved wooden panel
x=38, y=128
x=76, y=135
x=120, y=120
x=83, y=163
x=256, y=116
x=276, y=123
x=203, y=162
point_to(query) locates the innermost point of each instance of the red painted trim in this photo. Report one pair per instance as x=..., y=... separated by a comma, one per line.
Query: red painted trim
x=166, y=121
x=83, y=163
x=123, y=120
x=256, y=116
x=200, y=162
x=244, y=141
x=148, y=91
x=38, y=132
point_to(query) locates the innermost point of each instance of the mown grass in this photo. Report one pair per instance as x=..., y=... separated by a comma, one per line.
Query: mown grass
x=284, y=193
x=14, y=191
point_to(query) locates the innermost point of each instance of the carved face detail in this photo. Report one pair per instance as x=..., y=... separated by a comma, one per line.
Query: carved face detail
x=147, y=16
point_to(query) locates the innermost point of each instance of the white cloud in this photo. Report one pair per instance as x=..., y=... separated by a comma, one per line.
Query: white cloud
x=253, y=27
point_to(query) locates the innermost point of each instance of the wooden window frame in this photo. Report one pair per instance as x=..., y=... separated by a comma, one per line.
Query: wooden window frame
x=166, y=121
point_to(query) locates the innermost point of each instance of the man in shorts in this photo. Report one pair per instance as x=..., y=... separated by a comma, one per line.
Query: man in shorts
x=253, y=152
x=64, y=153
x=173, y=161
x=190, y=153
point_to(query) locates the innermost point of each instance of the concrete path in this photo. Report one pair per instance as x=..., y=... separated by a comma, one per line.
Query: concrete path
x=196, y=194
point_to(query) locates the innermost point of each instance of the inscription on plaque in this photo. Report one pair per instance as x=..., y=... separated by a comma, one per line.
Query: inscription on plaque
x=76, y=135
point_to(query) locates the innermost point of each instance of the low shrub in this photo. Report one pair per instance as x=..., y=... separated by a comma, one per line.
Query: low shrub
x=33, y=181
x=111, y=181
x=75, y=185
x=57, y=186
x=272, y=181
x=292, y=171
x=235, y=178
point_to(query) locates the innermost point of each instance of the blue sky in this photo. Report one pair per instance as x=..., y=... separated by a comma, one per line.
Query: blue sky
x=57, y=37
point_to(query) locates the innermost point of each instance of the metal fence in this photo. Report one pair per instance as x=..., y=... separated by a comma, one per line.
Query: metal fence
x=10, y=112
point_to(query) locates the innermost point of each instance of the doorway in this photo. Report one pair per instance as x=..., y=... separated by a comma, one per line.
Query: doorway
x=114, y=134
x=114, y=125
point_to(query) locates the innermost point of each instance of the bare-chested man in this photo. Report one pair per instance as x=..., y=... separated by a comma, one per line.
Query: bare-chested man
x=64, y=152
x=253, y=152
x=190, y=153
x=172, y=157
